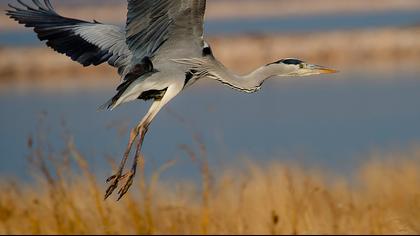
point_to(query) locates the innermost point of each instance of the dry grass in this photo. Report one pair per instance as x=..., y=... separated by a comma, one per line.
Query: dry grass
x=384, y=197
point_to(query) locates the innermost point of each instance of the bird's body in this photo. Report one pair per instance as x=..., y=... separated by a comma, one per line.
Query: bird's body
x=160, y=52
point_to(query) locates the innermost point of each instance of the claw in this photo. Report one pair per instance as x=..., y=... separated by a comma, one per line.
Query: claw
x=115, y=180
x=111, y=188
x=111, y=178
x=127, y=184
x=114, y=185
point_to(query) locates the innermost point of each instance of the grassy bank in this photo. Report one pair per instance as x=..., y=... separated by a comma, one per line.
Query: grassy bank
x=383, y=197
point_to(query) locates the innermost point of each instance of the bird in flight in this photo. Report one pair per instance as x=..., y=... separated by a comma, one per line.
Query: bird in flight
x=160, y=52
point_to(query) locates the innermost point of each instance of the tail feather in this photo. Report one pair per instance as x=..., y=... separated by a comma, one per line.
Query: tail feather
x=137, y=72
x=109, y=105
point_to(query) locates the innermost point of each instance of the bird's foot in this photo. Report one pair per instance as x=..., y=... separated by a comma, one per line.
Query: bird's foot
x=129, y=178
x=113, y=183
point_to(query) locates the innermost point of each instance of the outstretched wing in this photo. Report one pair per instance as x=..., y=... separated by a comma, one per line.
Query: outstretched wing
x=89, y=43
x=153, y=23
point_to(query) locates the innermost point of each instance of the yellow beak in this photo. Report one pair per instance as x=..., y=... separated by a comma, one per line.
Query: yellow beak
x=327, y=71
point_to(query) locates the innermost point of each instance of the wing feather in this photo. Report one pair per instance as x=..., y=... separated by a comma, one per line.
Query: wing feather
x=89, y=43
x=151, y=23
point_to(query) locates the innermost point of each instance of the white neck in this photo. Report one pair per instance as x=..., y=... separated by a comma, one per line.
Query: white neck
x=211, y=68
x=251, y=82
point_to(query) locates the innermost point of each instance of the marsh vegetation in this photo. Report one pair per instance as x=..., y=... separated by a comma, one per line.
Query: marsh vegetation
x=65, y=197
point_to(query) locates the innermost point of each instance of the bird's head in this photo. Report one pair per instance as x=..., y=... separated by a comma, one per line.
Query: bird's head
x=296, y=67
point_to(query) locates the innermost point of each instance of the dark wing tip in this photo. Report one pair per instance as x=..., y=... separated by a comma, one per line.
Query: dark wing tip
x=25, y=8
x=12, y=12
x=12, y=6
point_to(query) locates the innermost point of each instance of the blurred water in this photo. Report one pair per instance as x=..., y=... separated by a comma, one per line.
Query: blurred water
x=317, y=121
x=315, y=23
x=293, y=24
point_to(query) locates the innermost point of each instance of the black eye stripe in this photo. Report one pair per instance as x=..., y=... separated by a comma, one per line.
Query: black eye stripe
x=288, y=62
x=291, y=61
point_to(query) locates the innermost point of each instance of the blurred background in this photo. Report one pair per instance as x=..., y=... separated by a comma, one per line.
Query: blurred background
x=332, y=121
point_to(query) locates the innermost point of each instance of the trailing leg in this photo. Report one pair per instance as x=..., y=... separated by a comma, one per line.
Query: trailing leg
x=131, y=174
x=141, y=130
x=114, y=180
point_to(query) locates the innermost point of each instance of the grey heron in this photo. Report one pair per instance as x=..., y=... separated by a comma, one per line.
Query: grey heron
x=160, y=52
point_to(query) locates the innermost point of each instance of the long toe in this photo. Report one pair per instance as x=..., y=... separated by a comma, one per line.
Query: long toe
x=128, y=182
x=113, y=183
x=111, y=188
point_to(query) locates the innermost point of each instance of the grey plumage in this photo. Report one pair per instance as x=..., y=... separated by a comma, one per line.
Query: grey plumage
x=151, y=23
x=160, y=52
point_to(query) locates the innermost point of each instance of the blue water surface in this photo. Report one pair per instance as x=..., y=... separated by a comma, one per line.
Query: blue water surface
x=322, y=121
